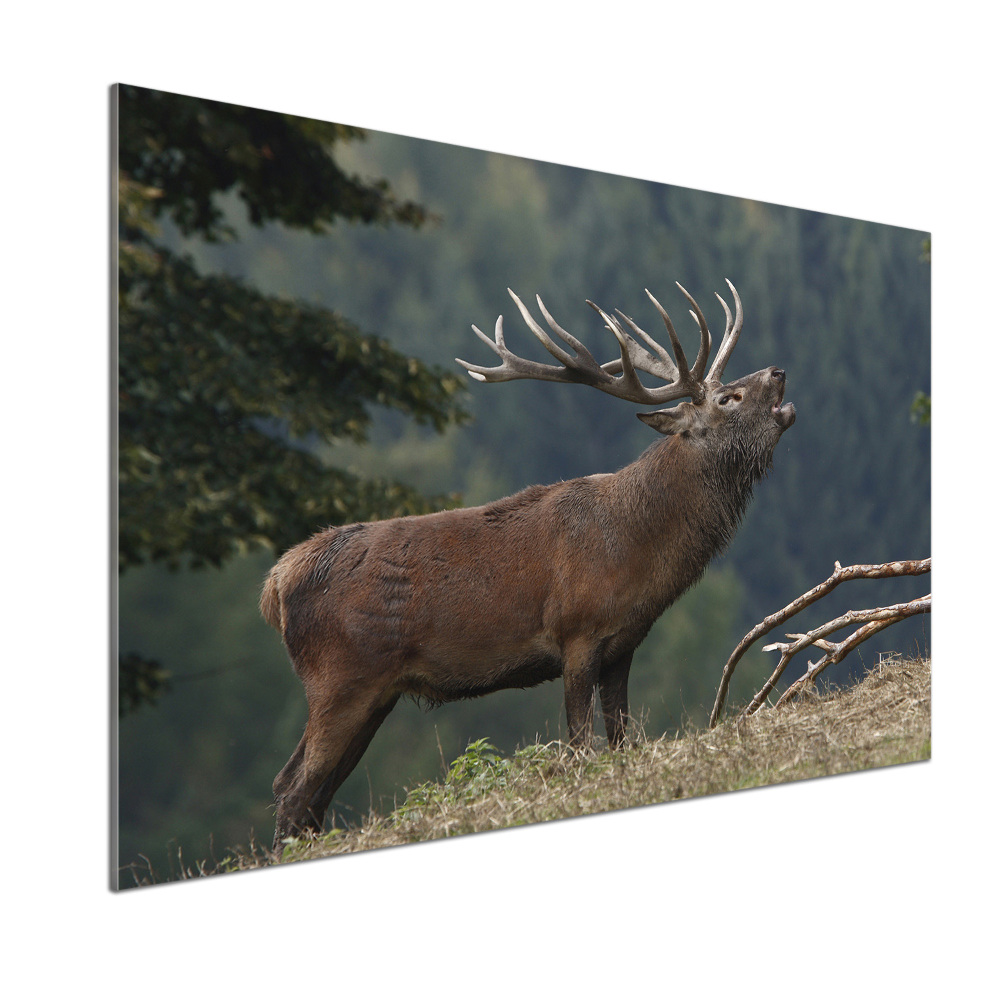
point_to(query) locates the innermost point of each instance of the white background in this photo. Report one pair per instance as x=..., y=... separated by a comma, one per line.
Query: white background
x=881, y=882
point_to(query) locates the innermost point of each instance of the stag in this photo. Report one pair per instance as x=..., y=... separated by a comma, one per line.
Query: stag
x=555, y=581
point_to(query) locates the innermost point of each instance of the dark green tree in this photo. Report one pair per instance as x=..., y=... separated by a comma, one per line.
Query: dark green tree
x=224, y=393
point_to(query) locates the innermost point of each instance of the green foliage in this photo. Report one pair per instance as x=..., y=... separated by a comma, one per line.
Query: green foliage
x=282, y=166
x=481, y=764
x=920, y=409
x=225, y=392
x=481, y=769
x=143, y=681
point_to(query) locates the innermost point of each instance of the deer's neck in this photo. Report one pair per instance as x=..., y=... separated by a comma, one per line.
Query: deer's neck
x=679, y=497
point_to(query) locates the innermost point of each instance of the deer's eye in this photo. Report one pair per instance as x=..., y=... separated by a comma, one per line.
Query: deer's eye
x=729, y=398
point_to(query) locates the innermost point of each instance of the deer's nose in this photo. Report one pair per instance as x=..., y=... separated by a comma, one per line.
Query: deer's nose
x=778, y=373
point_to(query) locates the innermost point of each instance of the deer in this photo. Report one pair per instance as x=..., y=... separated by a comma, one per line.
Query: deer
x=562, y=580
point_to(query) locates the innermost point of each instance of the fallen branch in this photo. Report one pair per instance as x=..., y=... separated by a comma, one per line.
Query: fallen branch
x=911, y=567
x=876, y=619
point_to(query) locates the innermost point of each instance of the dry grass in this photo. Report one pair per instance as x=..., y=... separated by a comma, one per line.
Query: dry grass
x=885, y=719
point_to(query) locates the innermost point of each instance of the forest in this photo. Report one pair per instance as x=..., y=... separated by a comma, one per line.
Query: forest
x=416, y=242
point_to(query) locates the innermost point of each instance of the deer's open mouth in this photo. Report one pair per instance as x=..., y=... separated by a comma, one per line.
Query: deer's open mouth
x=784, y=416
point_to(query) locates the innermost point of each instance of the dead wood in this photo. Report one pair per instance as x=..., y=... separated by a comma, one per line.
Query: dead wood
x=880, y=617
x=876, y=619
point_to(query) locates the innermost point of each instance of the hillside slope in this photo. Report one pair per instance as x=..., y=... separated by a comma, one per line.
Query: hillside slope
x=885, y=719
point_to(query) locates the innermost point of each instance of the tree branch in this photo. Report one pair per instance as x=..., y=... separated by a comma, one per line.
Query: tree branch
x=876, y=619
x=911, y=567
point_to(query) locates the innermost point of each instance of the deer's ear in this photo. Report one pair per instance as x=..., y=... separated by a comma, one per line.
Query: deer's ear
x=670, y=421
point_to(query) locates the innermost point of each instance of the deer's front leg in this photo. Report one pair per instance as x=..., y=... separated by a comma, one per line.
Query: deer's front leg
x=581, y=666
x=614, y=699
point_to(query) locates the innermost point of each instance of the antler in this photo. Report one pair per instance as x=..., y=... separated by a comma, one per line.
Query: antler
x=581, y=366
x=730, y=337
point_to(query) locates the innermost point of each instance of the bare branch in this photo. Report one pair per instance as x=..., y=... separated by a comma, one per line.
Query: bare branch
x=911, y=567
x=876, y=619
x=822, y=643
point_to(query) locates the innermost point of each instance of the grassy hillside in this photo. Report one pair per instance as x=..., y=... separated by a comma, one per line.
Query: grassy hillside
x=885, y=719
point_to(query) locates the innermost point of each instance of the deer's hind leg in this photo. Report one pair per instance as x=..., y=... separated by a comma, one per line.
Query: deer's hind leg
x=320, y=801
x=343, y=718
x=288, y=774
